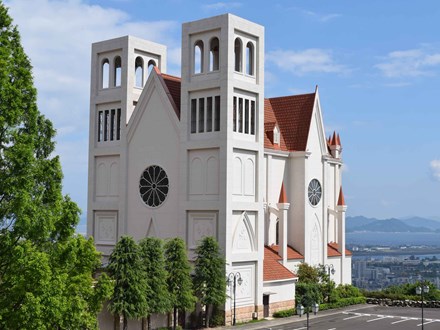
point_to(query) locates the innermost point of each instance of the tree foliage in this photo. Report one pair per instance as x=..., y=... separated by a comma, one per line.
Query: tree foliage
x=45, y=269
x=311, y=274
x=209, y=278
x=406, y=291
x=179, y=277
x=129, y=298
x=152, y=255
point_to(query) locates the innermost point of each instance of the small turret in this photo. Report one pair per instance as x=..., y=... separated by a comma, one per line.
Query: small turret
x=283, y=207
x=335, y=145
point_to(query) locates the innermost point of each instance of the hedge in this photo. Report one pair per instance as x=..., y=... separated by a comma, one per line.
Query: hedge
x=322, y=307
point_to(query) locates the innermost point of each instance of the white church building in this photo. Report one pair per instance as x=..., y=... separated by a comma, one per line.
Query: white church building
x=206, y=154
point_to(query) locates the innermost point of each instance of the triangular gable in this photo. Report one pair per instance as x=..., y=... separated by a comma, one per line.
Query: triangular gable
x=317, y=124
x=155, y=83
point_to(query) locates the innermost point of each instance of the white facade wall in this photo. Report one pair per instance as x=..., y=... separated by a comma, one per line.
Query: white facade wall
x=280, y=290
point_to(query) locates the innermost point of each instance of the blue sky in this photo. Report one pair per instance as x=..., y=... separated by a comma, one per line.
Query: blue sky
x=377, y=65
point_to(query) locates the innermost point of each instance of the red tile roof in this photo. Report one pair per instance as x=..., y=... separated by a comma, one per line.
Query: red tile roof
x=293, y=114
x=272, y=269
x=291, y=252
x=171, y=85
x=332, y=250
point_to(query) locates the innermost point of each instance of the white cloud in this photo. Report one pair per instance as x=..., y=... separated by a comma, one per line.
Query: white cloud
x=222, y=5
x=313, y=60
x=435, y=168
x=57, y=36
x=321, y=17
x=409, y=63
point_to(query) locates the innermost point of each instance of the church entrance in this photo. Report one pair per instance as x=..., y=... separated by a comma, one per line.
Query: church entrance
x=266, y=305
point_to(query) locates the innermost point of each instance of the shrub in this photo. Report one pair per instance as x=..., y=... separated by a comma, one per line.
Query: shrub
x=343, y=303
x=285, y=313
x=346, y=291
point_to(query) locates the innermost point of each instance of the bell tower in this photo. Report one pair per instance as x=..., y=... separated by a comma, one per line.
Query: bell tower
x=222, y=127
x=119, y=70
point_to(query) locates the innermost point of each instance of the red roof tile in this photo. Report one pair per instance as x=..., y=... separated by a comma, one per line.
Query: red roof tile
x=293, y=115
x=291, y=252
x=272, y=269
x=332, y=250
x=171, y=85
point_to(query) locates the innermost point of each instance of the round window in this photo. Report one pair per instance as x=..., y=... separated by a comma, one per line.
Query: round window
x=315, y=192
x=154, y=186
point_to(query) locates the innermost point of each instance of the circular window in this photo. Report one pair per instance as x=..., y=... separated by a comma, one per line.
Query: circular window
x=315, y=192
x=154, y=186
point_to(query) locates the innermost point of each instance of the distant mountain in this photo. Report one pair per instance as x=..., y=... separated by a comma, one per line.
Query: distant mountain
x=354, y=222
x=415, y=225
x=422, y=222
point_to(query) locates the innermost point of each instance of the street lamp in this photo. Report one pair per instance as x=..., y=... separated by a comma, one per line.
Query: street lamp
x=234, y=278
x=330, y=269
x=421, y=291
x=300, y=311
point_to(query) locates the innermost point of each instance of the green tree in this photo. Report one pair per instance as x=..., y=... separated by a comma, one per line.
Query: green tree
x=152, y=255
x=45, y=269
x=179, y=277
x=129, y=298
x=209, y=278
x=308, y=274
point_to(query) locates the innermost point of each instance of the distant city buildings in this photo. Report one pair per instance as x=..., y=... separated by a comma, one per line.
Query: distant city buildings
x=374, y=271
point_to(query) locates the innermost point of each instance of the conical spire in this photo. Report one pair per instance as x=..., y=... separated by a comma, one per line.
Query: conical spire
x=334, y=139
x=283, y=198
x=341, y=200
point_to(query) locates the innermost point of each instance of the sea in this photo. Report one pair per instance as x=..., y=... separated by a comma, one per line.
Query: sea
x=393, y=239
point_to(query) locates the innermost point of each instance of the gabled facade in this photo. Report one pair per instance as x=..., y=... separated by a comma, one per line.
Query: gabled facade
x=207, y=154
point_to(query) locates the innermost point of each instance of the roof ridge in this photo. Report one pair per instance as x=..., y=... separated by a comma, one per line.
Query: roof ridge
x=169, y=76
x=293, y=95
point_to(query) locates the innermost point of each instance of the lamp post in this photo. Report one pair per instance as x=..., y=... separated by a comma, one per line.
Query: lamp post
x=330, y=269
x=300, y=311
x=234, y=278
x=421, y=290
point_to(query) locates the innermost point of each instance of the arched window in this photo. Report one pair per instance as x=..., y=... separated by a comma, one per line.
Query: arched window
x=250, y=58
x=151, y=65
x=105, y=73
x=237, y=53
x=198, y=57
x=139, y=71
x=214, y=55
x=118, y=72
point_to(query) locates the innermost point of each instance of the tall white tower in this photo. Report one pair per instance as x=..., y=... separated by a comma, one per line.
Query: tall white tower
x=222, y=127
x=120, y=68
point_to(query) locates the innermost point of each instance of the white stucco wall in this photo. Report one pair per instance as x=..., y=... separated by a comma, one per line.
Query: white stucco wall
x=154, y=142
x=280, y=290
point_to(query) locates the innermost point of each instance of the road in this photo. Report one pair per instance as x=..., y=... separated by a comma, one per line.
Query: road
x=370, y=318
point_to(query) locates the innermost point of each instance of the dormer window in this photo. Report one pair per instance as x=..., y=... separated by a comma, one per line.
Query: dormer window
x=276, y=135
